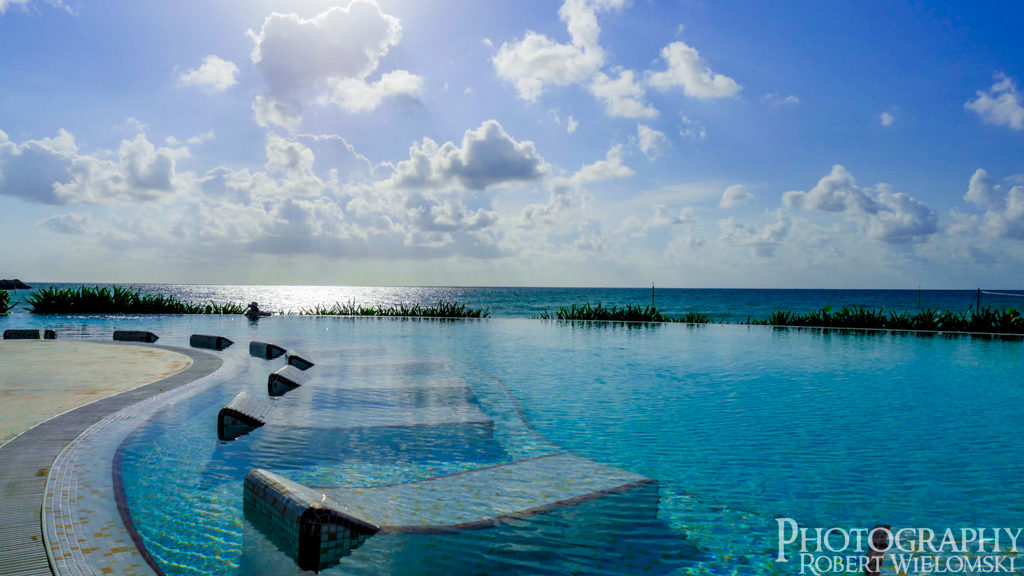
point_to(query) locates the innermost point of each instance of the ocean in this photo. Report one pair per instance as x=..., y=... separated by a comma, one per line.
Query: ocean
x=731, y=305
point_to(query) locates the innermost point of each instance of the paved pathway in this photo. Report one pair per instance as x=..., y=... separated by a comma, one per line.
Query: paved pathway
x=25, y=461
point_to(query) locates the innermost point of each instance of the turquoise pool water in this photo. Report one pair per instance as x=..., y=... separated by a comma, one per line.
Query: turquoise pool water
x=738, y=425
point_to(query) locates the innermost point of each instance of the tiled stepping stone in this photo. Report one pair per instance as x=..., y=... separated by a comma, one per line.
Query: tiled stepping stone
x=318, y=526
x=19, y=334
x=243, y=414
x=265, y=350
x=285, y=379
x=135, y=336
x=208, y=341
x=298, y=361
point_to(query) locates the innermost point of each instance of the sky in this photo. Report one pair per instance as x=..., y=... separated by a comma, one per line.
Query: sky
x=797, y=144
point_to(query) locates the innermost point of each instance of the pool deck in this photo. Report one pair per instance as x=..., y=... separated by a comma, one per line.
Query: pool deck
x=49, y=369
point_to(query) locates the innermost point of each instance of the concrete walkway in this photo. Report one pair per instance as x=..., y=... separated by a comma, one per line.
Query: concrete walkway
x=26, y=459
x=40, y=379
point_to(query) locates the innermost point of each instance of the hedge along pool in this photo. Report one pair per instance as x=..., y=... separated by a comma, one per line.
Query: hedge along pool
x=738, y=426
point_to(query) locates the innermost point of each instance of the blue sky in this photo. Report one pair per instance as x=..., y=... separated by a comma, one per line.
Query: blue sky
x=590, y=142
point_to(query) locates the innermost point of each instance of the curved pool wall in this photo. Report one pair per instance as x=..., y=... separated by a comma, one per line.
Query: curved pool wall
x=738, y=425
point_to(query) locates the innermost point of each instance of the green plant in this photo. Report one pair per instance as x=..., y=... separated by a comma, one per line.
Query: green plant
x=5, y=301
x=117, y=300
x=441, y=310
x=588, y=311
x=694, y=318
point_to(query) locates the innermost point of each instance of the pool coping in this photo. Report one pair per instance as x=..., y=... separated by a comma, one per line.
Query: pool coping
x=25, y=462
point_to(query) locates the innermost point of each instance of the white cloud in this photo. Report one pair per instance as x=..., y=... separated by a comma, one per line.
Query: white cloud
x=52, y=171
x=194, y=140
x=734, y=196
x=488, y=156
x=836, y=192
x=652, y=142
x=622, y=97
x=267, y=111
x=762, y=241
x=778, y=100
x=133, y=124
x=536, y=60
x=900, y=218
x=1001, y=105
x=1004, y=211
x=23, y=4
x=664, y=216
x=571, y=124
x=692, y=129
x=886, y=118
x=983, y=191
x=215, y=74
x=607, y=169
x=892, y=217
x=355, y=95
x=568, y=200
x=67, y=223
x=688, y=70
x=328, y=58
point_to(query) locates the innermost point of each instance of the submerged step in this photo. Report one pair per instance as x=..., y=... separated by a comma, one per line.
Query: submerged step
x=21, y=334
x=209, y=341
x=285, y=379
x=135, y=336
x=242, y=414
x=299, y=362
x=265, y=350
x=318, y=526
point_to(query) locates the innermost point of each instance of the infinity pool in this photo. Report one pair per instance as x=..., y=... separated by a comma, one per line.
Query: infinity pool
x=737, y=425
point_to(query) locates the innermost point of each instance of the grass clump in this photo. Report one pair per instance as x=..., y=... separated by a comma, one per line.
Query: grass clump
x=5, y=301
x=588, y=311
x=999, y=321
x=442, y=309
x=694, y=318
x=117, y=300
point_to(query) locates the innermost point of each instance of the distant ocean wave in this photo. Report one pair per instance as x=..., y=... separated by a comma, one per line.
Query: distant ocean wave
x=721, y=304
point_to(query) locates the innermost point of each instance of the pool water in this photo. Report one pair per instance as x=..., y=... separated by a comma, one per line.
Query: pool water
x=738, y=425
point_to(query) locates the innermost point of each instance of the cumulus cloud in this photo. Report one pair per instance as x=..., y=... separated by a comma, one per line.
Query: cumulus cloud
x=1004, y=210
x=328, y=58
x=779, y=100
x=487, y=156
x=571, y=124
x=692, y=130
x=664, y=216
x=836, y=192
x=652, y=142
x=686, y=69
x=73, y=224
x=23, y=4
x=607, y=169
x=1000, y=105
x=734, y=196
x=568, y=199
x=762, y=241
x=892, y=217
x=622, y=97
x=536, y=60
x=215, y=75
x=53, y=171
x=886, y=119
x=355, y=95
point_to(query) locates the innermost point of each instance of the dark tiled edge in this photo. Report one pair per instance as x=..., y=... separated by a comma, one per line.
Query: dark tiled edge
x=26, y=459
